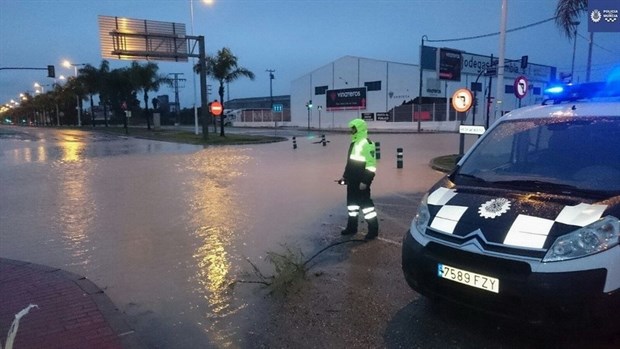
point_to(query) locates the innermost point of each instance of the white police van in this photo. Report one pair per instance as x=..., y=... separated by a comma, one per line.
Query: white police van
x=527, y=225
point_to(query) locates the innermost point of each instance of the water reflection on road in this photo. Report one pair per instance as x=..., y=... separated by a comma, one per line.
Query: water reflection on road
x=166, y=228
x=218, y=216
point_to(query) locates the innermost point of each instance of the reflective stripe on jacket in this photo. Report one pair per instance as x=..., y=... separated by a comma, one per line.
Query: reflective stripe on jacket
x=361, y=163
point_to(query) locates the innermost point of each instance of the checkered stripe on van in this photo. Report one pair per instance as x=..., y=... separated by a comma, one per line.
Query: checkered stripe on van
x=525, y=230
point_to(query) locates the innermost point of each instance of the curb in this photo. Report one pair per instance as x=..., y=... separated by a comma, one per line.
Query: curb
x=112, y=316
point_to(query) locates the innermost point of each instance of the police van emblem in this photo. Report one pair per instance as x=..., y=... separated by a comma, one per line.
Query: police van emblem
x=494, y=208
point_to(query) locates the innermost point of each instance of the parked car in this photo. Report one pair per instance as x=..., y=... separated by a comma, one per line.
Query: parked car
x=527, y=224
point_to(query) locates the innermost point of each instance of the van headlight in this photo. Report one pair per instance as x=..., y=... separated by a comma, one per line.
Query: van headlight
x=422, y=217
x=596, y=237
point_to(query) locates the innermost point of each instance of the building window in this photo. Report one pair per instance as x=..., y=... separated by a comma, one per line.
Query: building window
x=320, y=90
x=373, y=85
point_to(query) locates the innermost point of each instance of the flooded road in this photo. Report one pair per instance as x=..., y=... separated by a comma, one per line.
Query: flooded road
x=167, y=229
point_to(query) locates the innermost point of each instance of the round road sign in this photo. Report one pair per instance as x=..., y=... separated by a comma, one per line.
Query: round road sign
x=215, y=108
x=462, y=100
x=520, y=87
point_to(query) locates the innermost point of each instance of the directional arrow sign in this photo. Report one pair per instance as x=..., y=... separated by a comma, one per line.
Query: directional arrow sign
x=521, y=86
x=462, y=100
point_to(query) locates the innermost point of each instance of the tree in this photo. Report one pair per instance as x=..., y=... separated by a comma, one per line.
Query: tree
x=91, y=81
x=77, y=88
x=567, y=13
x=224, y=68
x=145, y=78
x=120, y=92
x=104, y=89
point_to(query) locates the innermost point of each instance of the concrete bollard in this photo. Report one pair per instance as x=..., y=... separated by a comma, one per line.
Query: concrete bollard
x=377, y=150
x=294, y=142
x=323, y=140
x=399, y=158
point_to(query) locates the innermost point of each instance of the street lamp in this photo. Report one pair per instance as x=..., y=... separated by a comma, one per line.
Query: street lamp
x=39, y=88
x=68, y=64
x=309, y=107
x=191, y=12
x=319, y=108
x=271, y=77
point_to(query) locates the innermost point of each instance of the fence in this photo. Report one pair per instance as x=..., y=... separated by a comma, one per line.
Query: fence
x=425, y=112
x=263, y=115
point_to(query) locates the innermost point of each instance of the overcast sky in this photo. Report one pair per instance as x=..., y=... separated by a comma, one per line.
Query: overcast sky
x=293, y=37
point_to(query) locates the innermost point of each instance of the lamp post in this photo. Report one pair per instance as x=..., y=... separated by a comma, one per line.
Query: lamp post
x=572, y=67
x=309, y=107
x=271, y=77
x=68, y=64
x=191, y=12
x=319, y=108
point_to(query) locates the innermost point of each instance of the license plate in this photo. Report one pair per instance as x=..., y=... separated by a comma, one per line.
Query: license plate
x=468, y=278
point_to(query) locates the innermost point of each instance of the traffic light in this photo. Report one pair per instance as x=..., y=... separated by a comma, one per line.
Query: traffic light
x=523, y=62
x=309, y=105
x=51, y=71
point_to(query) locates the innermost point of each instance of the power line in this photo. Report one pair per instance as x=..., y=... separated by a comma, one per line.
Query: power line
x=496, y=33
x=516, y=29
x=597, y=45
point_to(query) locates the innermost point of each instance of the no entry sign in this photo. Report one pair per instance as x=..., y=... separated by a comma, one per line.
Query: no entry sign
x=215, y=108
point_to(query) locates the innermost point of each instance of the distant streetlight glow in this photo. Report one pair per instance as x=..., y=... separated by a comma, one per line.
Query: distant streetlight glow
x=67, y=64
x=191, y=12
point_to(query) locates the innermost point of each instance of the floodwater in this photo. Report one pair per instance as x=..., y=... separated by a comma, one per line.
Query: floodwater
x=166, y=229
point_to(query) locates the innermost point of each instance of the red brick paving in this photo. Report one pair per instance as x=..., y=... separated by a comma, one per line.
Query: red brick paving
x=72, y=312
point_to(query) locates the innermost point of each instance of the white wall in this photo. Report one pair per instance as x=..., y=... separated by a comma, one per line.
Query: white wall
x=399, y=83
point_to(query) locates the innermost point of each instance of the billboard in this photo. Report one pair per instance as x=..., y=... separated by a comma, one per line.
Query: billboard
x=450, y=63
x=346, y=99
x=131, y=39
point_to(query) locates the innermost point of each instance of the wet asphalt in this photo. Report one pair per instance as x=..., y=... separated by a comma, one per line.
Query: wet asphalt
x=178, y=236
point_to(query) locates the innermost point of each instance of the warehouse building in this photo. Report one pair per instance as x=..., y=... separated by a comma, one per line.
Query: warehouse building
x=386, y=93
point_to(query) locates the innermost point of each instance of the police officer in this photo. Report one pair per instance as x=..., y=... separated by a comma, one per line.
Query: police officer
x=358, y=175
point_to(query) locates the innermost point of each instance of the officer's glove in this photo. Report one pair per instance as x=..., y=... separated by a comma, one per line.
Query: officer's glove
x=363, y=186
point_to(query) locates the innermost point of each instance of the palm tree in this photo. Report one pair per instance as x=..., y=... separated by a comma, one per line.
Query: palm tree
x=119, y=91
x=89, y=78
x=145, y=78
x=77, y=88
x=567, y=14
x=104, y=90
x=224, y=68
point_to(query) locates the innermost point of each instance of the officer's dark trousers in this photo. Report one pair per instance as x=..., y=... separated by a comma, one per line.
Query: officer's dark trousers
x=360, y=201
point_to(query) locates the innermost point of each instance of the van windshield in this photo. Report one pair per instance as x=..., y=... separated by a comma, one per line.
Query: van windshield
x=549, y=154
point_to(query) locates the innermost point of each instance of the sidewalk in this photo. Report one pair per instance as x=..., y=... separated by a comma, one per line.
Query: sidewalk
x=71, y=312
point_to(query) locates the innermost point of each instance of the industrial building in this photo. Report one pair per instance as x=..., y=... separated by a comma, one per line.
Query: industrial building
x=386, y=93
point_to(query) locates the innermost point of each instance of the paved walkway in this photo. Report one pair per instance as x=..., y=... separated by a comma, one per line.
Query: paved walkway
x=70, y=312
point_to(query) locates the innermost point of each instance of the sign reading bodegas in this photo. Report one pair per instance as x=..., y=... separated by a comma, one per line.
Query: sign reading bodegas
x=346, y=99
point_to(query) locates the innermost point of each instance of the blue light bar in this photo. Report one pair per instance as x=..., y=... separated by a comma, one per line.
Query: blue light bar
x=588, y=90
x=555, y=90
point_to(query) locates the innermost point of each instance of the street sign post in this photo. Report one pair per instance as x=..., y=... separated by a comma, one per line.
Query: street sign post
x=215, y=108
x=462, y=100
x=520, y=86
x=278, y=108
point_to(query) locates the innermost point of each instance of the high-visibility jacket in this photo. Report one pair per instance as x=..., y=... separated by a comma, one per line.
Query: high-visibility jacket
x=361, y=162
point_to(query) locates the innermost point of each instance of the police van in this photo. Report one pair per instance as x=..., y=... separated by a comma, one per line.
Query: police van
x=527, y=224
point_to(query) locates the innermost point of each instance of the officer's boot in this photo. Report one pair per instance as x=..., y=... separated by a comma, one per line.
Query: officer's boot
x=373, y=228
x=351, y=226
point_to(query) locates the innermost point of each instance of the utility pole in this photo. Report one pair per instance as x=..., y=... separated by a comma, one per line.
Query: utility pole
x=177, y=104
x=271, y=77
